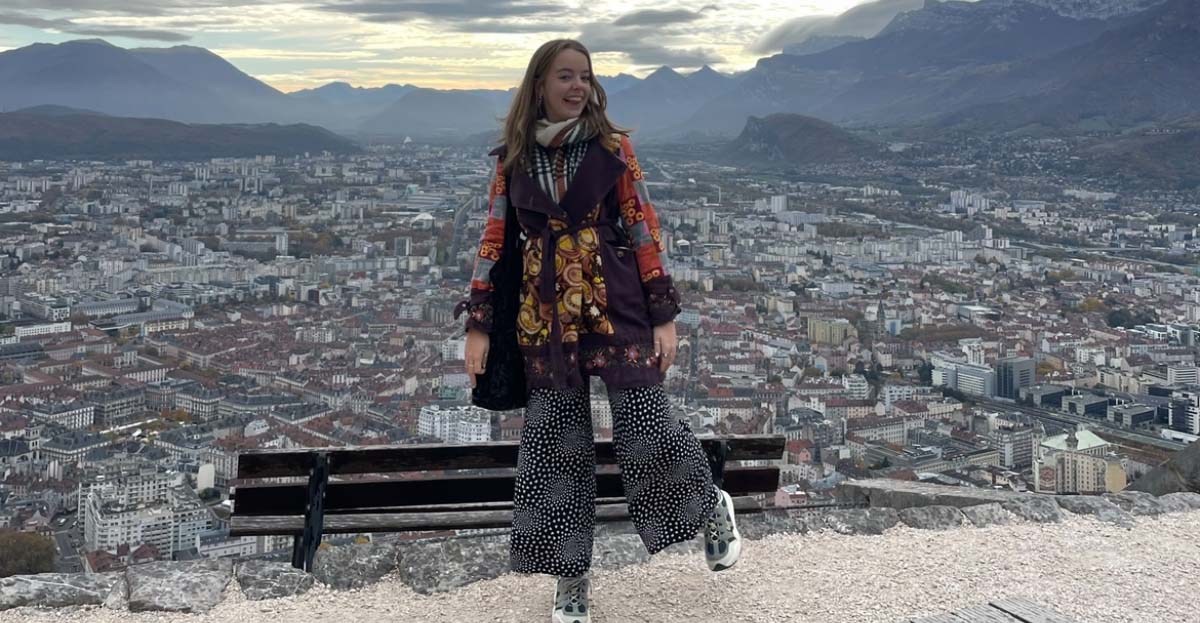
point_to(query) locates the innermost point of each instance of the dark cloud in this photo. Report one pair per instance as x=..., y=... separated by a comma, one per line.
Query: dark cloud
x=864, y=20
x=656, y=17
x=67, y=26
x=506, y=26
x=382, y=11
x=644, y=45
x=141, y=8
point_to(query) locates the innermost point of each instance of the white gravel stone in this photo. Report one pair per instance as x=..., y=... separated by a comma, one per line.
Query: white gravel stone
x=1085, y=569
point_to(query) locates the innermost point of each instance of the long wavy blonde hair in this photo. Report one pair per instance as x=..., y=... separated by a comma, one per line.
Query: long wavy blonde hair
x=520, y=125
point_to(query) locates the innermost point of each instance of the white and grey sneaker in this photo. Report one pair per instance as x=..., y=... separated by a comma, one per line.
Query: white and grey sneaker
x=722, y=541
x=571, y=600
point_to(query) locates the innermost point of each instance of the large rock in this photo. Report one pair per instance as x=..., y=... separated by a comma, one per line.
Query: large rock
x=1180, y=473
x=860, y=520
x=754, y=526
x=354, y=566
x=260, y=579
x=438, y=565
x=898, y=494
x=1038, y=508
x=937, y=517
x=992, y=514
x=1098, y=507
x=194, y=586
x=1178, y=500
x=1136, y=502
x=118, y=597
x=56, y=590
x=618, y=550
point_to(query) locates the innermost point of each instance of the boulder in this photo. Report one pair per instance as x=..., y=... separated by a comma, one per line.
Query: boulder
x=1176, y=501
x=1180, y=473
x=992, y=514
x=1097, y=507
x=56, y=590
x=1136, y=502
x=618, y=550
x=439, y=565
x=898, y=494
x=260, y=579
x=355, y=565
x=118, y=597
x=1038, y=508
x=194, y=586
x=936, y=517
x=860, y=520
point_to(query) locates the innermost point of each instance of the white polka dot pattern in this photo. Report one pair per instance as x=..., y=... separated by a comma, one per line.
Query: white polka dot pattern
x=664, y=472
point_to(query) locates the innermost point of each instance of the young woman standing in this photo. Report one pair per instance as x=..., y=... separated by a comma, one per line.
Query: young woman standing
x=595, y=300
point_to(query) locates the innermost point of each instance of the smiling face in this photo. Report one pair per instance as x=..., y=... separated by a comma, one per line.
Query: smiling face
x=567, y=87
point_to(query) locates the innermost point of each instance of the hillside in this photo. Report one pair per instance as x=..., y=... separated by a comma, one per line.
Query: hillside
x=56, y=133
x=788, y=139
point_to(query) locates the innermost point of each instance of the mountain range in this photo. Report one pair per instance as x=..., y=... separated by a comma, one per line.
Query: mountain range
x=990, y=65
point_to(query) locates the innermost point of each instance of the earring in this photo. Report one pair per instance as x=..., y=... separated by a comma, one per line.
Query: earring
x=540, y=108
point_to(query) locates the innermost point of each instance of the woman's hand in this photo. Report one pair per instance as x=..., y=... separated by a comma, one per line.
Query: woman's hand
x=476, y=353
x=665, y=344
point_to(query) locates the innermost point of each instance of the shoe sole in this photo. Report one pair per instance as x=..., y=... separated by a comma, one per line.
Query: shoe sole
x=735, y=548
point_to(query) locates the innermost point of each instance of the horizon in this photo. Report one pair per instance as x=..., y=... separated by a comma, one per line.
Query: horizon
x=462, y=45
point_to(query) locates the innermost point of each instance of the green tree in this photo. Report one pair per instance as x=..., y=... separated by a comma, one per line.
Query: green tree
x=25, y=553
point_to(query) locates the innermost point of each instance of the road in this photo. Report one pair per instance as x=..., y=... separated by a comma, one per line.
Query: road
x=67, y=559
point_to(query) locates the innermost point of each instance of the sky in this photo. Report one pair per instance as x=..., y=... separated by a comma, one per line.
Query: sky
x=429, y=43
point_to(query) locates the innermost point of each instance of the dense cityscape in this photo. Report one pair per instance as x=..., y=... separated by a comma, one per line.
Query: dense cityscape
x=994, y=323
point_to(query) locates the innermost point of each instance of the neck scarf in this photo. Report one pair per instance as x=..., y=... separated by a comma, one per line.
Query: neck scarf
x=556, y=155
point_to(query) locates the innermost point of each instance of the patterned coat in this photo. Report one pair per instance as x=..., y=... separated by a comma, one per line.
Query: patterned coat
x=591, y=309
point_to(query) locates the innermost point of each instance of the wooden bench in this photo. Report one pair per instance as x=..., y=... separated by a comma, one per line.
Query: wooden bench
x=309, y=492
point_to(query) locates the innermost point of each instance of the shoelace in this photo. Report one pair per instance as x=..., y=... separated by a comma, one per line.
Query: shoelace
x=716, y=524
x=574, y=590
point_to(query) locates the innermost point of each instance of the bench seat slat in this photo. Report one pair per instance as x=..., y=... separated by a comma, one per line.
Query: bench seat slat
x=400, y=522
x=286, y=499
x=276, y=463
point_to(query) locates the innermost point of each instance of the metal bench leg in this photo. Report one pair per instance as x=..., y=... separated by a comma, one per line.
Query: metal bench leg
x=716, y=462
x=304, y=548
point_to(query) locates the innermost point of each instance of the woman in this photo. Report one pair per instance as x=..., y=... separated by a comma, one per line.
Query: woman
x=595, y=300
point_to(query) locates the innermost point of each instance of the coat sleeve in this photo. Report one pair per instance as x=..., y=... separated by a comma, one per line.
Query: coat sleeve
x=478, y=304
x=641, y=223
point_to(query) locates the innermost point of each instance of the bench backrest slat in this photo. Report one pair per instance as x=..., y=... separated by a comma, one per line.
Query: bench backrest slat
x=357, y=495
x=497, y=454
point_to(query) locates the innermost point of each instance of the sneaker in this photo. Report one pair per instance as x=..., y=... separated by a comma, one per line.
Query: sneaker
x=571, y=600
x=722, y=541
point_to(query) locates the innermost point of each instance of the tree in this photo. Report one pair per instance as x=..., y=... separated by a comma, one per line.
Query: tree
x=25, y=553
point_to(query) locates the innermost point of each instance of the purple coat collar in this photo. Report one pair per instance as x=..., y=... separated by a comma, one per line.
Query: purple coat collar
x=598, y=172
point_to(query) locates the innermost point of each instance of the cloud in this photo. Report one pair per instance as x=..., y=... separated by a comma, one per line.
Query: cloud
x=656, y=17
x=388, y=11
x=636, y=43
x=148, y=8
x=67, y=26
x=864, y=20
x=653, y=37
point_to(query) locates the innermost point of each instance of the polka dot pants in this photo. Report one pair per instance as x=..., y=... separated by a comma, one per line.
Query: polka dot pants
x=664, y=471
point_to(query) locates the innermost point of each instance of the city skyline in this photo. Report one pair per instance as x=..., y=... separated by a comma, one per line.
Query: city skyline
x=294, y=46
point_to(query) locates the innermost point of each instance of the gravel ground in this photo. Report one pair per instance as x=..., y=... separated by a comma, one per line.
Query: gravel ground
x=1093, y=572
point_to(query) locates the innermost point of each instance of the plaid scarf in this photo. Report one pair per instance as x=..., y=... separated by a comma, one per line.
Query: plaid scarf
x=556, y=155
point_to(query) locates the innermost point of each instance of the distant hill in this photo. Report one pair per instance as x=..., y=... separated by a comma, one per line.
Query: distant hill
x=1145, y=71
x=52, y=133
x=1166, y=160
x=788, y=139
x=432, y=114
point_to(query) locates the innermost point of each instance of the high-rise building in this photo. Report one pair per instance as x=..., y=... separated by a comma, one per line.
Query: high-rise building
x=455, y=424
x=977, y=380
x=1013, y=373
